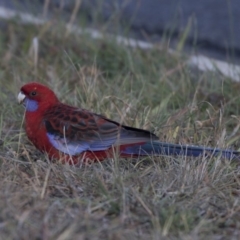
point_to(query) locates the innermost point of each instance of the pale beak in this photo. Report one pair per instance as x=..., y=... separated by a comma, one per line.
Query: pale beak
x=21, y=97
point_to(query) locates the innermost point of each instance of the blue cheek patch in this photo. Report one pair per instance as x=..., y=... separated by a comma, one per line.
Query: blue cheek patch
x=30, y=105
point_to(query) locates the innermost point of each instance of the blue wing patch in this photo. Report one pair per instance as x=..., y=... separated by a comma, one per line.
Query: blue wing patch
x=75, y=148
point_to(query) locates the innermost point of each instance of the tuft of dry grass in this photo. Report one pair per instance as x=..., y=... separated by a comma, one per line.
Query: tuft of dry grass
x=148, y=198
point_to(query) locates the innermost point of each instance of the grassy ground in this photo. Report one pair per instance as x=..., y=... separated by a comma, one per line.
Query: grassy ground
x=149, y=198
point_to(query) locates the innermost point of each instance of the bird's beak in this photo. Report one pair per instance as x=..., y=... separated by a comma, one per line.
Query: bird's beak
x=21, y=97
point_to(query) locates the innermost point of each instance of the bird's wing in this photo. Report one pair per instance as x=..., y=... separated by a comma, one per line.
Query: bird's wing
x=73, y=130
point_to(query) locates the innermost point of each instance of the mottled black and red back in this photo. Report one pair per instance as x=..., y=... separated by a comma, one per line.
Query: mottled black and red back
x=81, y=130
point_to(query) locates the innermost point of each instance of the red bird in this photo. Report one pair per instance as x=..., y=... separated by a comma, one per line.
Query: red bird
x=73, y=134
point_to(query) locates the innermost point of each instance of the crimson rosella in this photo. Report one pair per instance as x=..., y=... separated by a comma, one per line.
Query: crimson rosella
x=72, y=134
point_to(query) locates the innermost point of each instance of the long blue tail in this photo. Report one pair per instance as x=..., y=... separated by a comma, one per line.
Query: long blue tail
x=160, y=148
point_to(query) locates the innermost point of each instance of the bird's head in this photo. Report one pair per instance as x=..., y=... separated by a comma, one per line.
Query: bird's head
x=35, y=95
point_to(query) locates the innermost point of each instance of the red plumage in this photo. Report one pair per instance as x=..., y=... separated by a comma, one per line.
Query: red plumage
x=76, y=135
x=54, y=127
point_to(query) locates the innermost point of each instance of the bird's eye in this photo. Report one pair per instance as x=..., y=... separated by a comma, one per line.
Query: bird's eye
x=33, y=93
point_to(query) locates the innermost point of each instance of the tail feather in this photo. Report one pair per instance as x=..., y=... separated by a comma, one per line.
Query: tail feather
x=160, y=148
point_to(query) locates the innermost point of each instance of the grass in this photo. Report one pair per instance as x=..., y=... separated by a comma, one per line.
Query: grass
x=148, y=198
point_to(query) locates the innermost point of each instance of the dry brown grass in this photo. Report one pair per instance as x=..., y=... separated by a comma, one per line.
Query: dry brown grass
x=149, y=198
